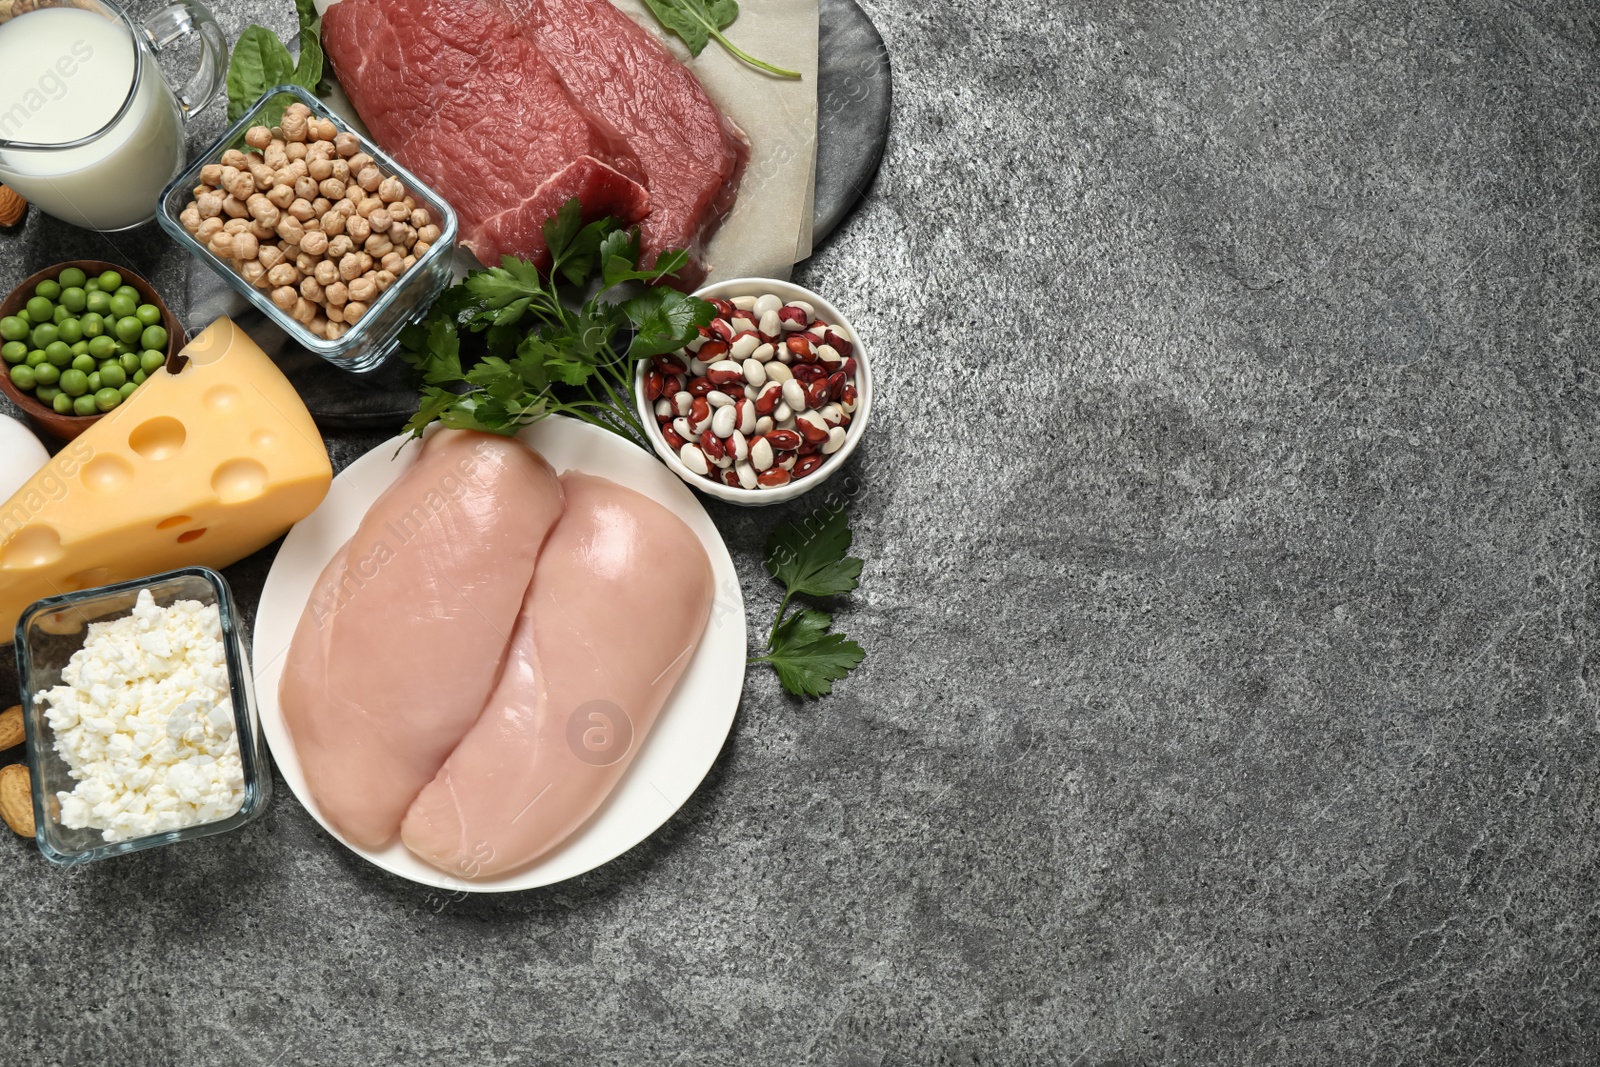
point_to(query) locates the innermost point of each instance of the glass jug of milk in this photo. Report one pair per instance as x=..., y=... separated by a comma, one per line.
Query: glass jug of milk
x=90, y=131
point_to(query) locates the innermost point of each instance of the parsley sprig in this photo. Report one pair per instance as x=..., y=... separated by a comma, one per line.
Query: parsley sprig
x=506, y=346
x=809, y=558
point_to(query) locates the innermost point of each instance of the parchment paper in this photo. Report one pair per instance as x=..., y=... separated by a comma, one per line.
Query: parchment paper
x=769, y=229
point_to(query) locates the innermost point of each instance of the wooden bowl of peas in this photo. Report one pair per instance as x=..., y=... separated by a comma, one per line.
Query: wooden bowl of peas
x=88, y=293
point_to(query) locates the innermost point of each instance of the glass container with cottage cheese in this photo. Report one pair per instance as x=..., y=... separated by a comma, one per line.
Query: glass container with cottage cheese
x=140, y=716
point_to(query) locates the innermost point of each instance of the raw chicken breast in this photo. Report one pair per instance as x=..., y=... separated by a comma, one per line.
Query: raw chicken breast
x=402, y=640
x=617, y=606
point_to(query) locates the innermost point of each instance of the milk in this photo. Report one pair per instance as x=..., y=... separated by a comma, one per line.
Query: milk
x=64, y=73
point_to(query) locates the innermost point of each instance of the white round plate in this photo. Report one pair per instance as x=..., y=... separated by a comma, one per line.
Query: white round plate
x=675, y=756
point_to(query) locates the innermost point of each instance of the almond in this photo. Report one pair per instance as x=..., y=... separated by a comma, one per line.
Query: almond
x=16, y=799
x=12, y=207
x=11, y=731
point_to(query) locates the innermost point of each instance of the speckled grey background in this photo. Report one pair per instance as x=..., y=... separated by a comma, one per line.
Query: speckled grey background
x=1229, y=605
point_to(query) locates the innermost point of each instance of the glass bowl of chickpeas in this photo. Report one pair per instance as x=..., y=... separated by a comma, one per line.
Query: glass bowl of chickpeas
x=328, y=236
x=77, y=339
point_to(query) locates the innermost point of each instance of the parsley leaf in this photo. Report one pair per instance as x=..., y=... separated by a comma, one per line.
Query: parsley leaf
x=697, y=22
x=807, y=657
x=808, y=557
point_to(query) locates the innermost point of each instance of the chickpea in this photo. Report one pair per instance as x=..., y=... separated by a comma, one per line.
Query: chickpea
x=284, y=274
x=359, y=162
x=284, y=296
x=270, y=256
x=258, y=137
x=428, y=232
x=234, y=208
x=327, y=275
x=262, y=175
x=354, y=310
x=319, y=326
x=321, y=151
x=379, y=221
x=326, y=130
x=281, y=196
x=208, y=229
x=296, y=151
x=304, y=311
x=190, y=218
x=221, y=244
x=305, y=189
x=311, y=289
x=369, y=178
x=322, y=205
x=236, y=226
x=314, y=243
x=253, y=272
x=335, y=314
x=211, y=174
x=332, y=187
x=347, y=144
x=341, y=171
x=421, y=219
x=243, y=186
x=305, y=262
x=392, y=262
x=336, y=330
x=321, y=170
x=411, y=261
x=295, y=124
x=232, y=158
x=363, y=289
x=275, y=155
x=402, y=235
x=301, y=209
x=200, y=190
x=264, y=231
x=332, y=223
x=358, y=228
x=313, y=223
x=340, y=247
x=379, y=245
x=350, y=268
x=245, y=246
x=290, y=230
x=384, y=278
x=337, y=292
x=391, y=190
x=209, y=205
x=365, y=260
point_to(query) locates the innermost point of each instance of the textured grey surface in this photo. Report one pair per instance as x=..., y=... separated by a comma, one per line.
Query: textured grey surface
x=1230, y=531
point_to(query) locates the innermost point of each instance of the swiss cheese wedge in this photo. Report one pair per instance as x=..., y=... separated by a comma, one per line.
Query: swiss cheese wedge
x=202, y=467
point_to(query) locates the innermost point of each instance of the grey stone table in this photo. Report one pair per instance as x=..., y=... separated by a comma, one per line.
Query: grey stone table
x=1229, y=601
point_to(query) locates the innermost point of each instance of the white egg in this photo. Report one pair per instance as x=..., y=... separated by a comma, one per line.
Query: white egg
x=21, y=456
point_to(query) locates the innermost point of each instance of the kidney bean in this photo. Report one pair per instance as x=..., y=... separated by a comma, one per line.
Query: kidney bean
x=772, y=478
x=807, y=464
x=694, y=459
x=784, y=440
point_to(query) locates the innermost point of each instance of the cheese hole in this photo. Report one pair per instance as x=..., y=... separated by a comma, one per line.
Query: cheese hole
x=238, y=480
x=31, y=546
x=264, y=440
x=190, y=535
x=176, y=520
x=88, y=579
x=107, y=474
x=223, y=399
x=158, y=438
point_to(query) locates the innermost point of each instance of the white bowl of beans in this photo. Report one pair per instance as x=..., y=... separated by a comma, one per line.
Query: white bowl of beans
x=768, y=403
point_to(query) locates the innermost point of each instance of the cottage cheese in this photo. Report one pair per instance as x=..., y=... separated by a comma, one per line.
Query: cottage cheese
x=144, y=721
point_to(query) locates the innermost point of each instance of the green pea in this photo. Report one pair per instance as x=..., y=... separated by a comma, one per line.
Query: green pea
x=148, y=314
x=84, y=363
x=47, y=394
x=74, y=300
x=85, y=405
x=13, y=329
x=60, y=315
x=93, y=325
x=72, y=278
x=153, y=337
x=129, y=361
x=106, y=399
x=22, y=377
x=79, y=348
x=95, y=384
x=91, y=285
x=127, y=389
x=129, y=329
x=74, y=382
x=45, y=374
x=25, y=317
x=48, y=289
x=123, y=346
x=112, y=376
x=128, y=291
x=151, y=361
x=36, y=358
x=40, y=309
x=123, y=305
x=110, y=281
x=59, y=353
x=44, y=333
x=102, y=347
x=70, y=331
x=13, y=351
x=98, y=302
x=62, y=403
x=140, y=377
